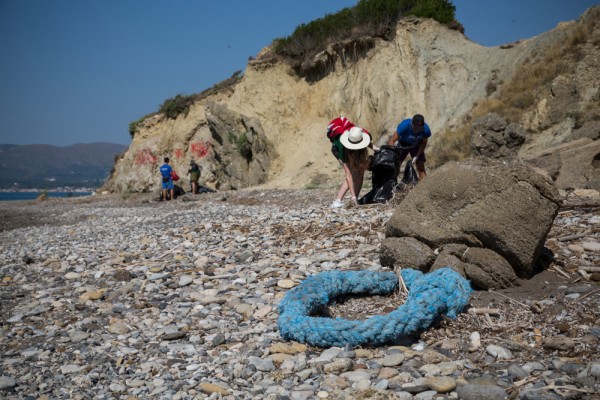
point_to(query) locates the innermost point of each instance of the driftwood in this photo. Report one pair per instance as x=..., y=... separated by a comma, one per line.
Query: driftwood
x=560, y=271
x=589, y=269
x=589, y=294
x=511, y=299
x=571, y=237
x=585, y=275
x=573, y=204
x=490, y=311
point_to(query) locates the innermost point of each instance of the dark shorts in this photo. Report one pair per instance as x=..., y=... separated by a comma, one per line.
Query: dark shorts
x=403, y=152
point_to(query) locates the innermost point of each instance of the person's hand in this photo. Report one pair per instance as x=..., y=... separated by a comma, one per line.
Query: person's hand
x=375, y=148
x=414, y=161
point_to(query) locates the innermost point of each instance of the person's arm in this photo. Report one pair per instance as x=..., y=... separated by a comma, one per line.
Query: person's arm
x=372, y=146
x=393, y=139
x=420, y=151
x=350, y=181
x=422, y=148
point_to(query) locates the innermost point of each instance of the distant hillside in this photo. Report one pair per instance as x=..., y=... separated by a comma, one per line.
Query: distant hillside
x=47, y=167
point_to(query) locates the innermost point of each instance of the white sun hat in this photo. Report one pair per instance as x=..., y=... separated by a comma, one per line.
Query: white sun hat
x=355, y=138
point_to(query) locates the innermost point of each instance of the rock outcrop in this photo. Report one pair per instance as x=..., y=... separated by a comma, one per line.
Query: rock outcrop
x=243, y=153
x=232, y=149
x=573, y=165
x=487, y=220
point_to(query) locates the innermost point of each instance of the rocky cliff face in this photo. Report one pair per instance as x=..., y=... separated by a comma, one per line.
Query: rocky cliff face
x=269, y=129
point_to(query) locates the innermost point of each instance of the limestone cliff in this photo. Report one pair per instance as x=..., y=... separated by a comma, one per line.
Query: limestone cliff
x=426, y=68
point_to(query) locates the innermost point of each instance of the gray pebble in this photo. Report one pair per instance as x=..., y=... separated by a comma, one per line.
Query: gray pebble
x=499, y=352
x=7, y=382
x=516, y=371
x=479, y=392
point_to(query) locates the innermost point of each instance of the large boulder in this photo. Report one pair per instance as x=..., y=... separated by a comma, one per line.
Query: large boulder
x=507, y=209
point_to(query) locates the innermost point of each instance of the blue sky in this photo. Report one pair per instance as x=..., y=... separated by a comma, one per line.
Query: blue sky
x=79, y=71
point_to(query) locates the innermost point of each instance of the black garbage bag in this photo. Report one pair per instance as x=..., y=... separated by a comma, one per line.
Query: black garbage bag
x=204, y=189
x=384, y=175
x=410, y=177
x=379, y=194
x=385, y=159
x=177, y=191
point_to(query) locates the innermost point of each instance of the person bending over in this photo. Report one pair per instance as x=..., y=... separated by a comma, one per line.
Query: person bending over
x=411, y=138
x=349, y=147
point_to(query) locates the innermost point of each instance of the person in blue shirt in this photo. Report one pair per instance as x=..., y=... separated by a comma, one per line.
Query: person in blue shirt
x=167, y=180
x=411, y=138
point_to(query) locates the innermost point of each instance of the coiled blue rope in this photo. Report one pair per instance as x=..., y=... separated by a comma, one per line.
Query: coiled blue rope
x=432, y=295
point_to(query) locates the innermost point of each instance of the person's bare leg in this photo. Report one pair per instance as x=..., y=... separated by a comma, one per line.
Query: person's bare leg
x=164, y=195
x=358, y=182
x=172, y=194
x=342, y=192
x=421, y=170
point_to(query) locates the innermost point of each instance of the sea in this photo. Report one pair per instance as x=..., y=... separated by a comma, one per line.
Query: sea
x=9, y=196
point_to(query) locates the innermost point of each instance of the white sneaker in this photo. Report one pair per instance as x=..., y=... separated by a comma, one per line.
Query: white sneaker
x=337, y=204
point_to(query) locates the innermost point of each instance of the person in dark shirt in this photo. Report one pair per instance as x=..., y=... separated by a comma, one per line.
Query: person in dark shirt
x=194, y=173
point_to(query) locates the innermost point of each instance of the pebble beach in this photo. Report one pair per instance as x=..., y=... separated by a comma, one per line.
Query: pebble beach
x=113, y=297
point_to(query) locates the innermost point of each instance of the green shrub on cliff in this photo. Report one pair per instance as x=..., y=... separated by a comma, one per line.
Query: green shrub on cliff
x=180, y=104
x=242, y=144
x=177, y=105
x=367, y=18
x=221, y=86
x=440, y=10
x=134, y=126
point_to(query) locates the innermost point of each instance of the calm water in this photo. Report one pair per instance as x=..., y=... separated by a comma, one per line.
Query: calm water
x=7, y=196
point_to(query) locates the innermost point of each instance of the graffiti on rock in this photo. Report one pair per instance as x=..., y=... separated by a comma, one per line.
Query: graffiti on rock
x=200, y=149
x=145, y=156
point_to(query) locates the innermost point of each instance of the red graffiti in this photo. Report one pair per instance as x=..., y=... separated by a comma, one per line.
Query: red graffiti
x=145, y=156
x=177, y=153
x=200, y=149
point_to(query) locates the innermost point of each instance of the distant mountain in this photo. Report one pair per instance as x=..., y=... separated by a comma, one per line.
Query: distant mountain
x=47, y=167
